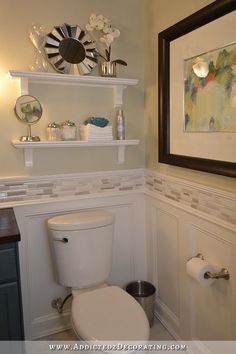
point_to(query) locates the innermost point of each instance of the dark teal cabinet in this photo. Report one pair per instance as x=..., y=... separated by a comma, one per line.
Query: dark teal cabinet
x=11, y=320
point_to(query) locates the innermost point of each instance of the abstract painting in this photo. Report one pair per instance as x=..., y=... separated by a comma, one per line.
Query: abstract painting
x=210, y=91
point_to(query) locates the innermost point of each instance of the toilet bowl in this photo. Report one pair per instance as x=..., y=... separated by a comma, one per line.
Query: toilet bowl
x=82, y=245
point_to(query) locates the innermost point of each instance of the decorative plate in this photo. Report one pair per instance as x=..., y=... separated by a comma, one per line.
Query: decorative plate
x=71, y=50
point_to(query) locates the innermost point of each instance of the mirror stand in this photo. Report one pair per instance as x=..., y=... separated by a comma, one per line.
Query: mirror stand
x=29, y=111
x=29, y=137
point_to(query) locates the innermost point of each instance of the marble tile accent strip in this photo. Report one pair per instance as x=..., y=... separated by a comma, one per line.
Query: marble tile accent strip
x=33, y=188
x=208, y=200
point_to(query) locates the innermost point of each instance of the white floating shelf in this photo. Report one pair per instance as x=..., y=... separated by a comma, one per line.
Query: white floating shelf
x=117, y=84
x=29, y=146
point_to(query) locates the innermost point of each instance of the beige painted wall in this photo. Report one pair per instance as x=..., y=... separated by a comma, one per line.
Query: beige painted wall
x=137, y=45
x=160, y=14
x=60, y=103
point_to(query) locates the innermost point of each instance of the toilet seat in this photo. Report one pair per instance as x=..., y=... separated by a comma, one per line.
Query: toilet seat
x=109, y=314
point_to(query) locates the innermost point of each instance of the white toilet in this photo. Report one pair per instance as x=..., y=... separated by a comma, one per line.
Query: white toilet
x=82, y=244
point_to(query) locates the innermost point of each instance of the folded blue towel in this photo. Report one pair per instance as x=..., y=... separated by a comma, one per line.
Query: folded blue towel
x=98, y=121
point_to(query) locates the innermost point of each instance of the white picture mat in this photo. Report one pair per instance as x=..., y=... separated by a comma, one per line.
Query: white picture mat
x=218, y=145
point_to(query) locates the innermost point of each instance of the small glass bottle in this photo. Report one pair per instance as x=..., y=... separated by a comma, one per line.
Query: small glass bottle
x=53, y=132
x=68, y=130
x=120, y=125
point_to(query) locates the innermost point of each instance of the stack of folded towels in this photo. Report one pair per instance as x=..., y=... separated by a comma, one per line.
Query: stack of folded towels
x=91, y=131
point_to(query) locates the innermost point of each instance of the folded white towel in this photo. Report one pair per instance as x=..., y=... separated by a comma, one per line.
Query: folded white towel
x=84, y=138
x=94, y=128
x=97, y=140
x=88, y=137
x=91, y=132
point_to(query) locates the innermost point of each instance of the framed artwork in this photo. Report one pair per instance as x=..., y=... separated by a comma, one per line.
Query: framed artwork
x=197, y=91
x=210, y=91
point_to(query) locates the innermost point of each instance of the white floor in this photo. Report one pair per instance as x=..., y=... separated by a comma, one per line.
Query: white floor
x=158, y=333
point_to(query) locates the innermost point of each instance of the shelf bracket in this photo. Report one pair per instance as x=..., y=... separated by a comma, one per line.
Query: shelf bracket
x=121, y=154
x=28, y=155
x=24, y=86
x=118, y=95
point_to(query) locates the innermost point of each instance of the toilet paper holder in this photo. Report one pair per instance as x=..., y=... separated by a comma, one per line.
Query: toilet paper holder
x=222, y=274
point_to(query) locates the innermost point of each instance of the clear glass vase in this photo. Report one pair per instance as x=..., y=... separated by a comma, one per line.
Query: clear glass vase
x=37, y=35
x=39, y=63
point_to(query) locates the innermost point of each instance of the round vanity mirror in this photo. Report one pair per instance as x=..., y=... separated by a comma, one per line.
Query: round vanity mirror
x=70, y=50
x=29, y=111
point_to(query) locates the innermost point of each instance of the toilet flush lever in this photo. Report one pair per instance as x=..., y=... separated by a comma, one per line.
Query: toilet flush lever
x=63, y=240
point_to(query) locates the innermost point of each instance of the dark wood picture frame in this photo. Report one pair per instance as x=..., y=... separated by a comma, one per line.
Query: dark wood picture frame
x=200, y=18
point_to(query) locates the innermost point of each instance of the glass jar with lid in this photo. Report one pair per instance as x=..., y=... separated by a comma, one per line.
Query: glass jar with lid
x=53, y=131
x=68, y=130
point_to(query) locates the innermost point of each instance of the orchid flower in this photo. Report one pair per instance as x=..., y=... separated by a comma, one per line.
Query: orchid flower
x=102, y=24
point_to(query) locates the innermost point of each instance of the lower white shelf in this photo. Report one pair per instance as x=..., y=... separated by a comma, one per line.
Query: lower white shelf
x=29, y=146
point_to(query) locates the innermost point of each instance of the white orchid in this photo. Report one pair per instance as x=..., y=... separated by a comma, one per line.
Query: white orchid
x=107, y=39
x=109, y=33
x=97, y=22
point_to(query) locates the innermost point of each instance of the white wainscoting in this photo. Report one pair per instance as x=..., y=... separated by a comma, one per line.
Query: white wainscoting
x=157, y=229
x=38, y=279
x=188, y=309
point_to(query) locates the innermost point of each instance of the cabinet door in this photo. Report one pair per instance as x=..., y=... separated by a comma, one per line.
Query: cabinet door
x=8, y=265
x=10, y=318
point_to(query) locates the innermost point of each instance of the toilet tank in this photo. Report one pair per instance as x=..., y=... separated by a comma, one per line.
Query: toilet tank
x=82, y=247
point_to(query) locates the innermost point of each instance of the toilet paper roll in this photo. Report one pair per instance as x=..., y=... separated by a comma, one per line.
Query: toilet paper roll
x=196, y=268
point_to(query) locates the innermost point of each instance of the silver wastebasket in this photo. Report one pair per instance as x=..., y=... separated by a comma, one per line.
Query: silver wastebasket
x=144, y=292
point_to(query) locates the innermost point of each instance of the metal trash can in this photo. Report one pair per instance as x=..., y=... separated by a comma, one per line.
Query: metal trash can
x=144, y=292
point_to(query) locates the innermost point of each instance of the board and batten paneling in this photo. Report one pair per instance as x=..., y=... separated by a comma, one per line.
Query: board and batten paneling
x=152, y=241
x=190, y=310
x=38, y=275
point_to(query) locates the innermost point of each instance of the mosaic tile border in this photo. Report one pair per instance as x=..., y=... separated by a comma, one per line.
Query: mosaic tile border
x=35, y=188
x=219, y=204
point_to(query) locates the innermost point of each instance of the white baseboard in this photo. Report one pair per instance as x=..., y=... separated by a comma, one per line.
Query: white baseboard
x=50, y=324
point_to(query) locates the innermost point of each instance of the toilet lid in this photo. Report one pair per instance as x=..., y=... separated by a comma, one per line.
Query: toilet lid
x=109, y=314
x=81, y=221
